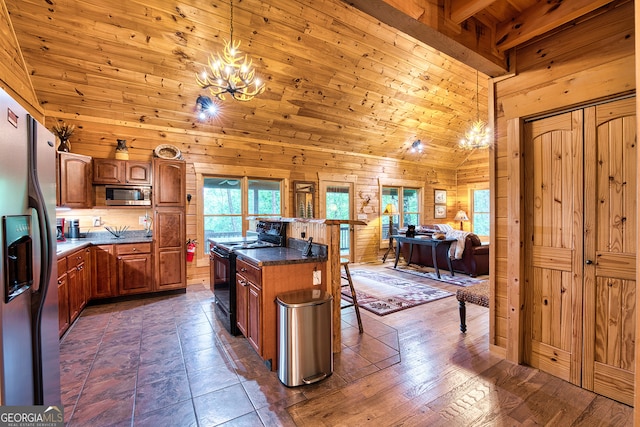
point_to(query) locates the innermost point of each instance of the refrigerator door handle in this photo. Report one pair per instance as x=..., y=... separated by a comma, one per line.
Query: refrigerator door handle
x=37, y=202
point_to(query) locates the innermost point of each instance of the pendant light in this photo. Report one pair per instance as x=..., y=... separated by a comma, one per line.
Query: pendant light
x=479, y=135
x=231, y=73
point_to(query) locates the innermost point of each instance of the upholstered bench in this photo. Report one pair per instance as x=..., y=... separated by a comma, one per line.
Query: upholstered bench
x=476, y=294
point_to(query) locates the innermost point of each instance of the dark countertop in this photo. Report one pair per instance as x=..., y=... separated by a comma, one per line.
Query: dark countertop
x=276, y=256
x=101, y=238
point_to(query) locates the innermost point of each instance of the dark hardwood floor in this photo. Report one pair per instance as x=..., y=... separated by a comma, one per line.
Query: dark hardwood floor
x=168, y=362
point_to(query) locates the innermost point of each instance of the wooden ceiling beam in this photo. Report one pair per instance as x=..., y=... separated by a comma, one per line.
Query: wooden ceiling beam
x=540, y=18
x=461, y=10
x=428, y=30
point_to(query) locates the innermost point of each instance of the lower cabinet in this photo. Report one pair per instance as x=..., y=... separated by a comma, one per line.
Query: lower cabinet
x=73, y=287
x=121, y=269
x=248, y=303
x=78, y=282
x=169, y=246
x=254, y=324
x=63, y=296
x=133, y=264
x=103, y=271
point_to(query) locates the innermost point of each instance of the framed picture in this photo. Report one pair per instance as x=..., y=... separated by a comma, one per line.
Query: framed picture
x=440, y=211
x=304, y=198
x=440, y=197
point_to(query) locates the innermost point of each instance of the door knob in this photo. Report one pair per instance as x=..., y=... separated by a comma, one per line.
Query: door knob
x=588, y=262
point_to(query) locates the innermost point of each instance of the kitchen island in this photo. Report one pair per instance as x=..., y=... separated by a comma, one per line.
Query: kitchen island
x=263, y=274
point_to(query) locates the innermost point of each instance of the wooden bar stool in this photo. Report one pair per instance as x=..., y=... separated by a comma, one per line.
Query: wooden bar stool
x=344, y=262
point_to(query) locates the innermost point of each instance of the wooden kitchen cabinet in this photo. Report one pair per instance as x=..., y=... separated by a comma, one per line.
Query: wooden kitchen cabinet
x=134, y=265
x=74, y=188
x=169, y=183
x=248, y=303
x=63, y=297
x=169, y=236
x=169, y=221
x=254, y=322
x=77, y=279
x=121, y=172
x=103, y=271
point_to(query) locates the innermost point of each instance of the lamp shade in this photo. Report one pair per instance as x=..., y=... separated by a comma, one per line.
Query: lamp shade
x=461, y=216
x=391, y=209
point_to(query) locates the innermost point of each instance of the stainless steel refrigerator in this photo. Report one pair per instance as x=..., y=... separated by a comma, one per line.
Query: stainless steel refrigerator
x=30, y=356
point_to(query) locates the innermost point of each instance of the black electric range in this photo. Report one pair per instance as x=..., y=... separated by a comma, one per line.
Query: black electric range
x=223, y=267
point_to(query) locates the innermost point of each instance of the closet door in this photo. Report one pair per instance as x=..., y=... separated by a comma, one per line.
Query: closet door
x=552, y=158
x=610, y=249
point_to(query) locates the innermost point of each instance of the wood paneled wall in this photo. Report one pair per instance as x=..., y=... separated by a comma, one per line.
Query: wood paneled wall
x=592, y=60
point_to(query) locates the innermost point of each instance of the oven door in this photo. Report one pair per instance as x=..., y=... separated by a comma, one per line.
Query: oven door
x=223, y=283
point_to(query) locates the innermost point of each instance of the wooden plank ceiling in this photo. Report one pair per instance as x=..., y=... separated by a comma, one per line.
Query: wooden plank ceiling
x=337, y=78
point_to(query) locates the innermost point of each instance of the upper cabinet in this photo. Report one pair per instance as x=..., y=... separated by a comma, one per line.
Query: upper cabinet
x=169, y=183
x=121, y=172
x=74, y=181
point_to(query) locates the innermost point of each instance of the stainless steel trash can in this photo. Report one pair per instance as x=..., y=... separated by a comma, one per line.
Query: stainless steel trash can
x=305, y=336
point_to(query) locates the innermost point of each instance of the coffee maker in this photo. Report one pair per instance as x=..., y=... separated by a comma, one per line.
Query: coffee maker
x=74, y=229
x=60, y=230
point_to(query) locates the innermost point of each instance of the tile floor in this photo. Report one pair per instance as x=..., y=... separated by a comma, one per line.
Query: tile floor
x=166, y=361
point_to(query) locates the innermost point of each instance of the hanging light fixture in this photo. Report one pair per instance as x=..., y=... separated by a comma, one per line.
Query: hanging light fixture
x=417, y=146
x=479, y=136
x=231, y=72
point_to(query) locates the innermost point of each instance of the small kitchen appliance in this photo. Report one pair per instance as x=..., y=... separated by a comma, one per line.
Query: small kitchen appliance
x=74, y=229
x=60, y=230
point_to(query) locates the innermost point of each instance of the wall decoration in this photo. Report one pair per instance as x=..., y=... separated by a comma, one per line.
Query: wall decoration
x=440, y=211
x=440, y=197
x=303, y=198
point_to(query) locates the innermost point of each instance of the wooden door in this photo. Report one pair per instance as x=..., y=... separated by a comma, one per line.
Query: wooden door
x=580, y=247
x=553, y=245
x=610, y=249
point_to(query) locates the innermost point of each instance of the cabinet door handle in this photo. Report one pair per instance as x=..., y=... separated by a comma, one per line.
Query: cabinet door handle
x=59, y=282
x=243, y=269
x=243, y=283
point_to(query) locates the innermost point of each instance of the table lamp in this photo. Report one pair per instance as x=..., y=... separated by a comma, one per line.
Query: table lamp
x=461, y=216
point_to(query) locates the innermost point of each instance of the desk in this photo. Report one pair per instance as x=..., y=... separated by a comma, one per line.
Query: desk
x=434, y=243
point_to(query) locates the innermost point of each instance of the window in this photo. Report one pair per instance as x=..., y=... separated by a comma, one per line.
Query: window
x=228, y=200
x=480, y=204
x=398, y=215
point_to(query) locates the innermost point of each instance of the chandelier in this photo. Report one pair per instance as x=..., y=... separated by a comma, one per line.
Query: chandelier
x=479, y=136
x=232, y=73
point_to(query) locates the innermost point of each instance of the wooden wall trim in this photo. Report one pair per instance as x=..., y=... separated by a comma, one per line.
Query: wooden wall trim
x=567, y=91
x=492, y=217
x=226, y=170
x=515, y=263
x=636, y=400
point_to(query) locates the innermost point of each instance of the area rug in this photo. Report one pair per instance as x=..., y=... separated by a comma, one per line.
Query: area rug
x=459, y=280
x=383, y=294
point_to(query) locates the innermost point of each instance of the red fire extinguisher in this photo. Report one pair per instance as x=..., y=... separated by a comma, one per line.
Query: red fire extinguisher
x=191, y=249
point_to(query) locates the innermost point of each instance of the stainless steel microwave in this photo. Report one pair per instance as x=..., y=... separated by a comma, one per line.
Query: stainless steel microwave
x=127, y=196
